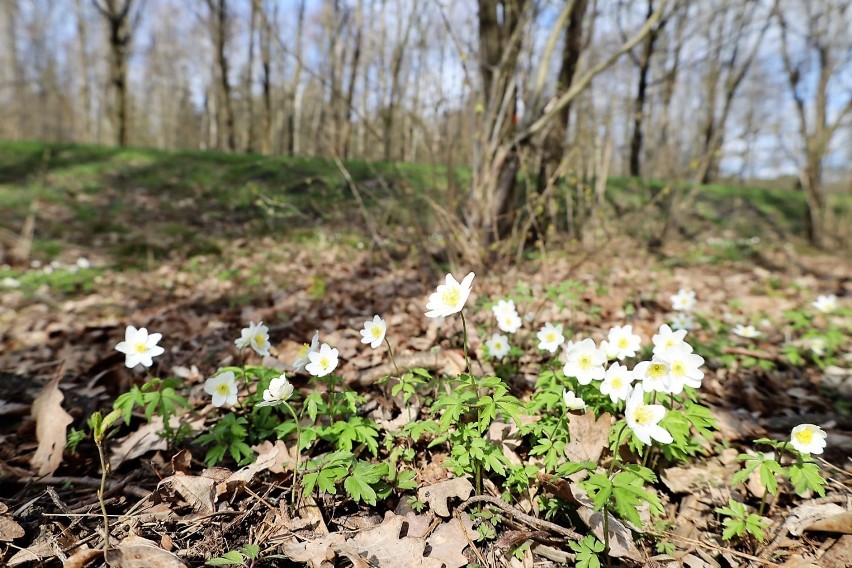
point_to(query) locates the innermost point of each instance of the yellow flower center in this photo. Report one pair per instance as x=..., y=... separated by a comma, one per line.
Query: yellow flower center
x=670, y=342
x=259, y=339
x=622, y=343
x=140, y=347
x=304, y=351
x=550, y=337
x=804, y=437
x=324, y=362
x=643, y=415
x=617, y=382
x=223, y=388
x=585, y=362
x=376, y=331
x=498, y=346
x=678, y=368
x=451, y=296
x=657, y=371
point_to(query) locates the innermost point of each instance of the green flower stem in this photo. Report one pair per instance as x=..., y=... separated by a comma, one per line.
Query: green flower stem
x=464, y=341
x=392, y=358
x=102, y=489
x=331, y=397
x=298, y=451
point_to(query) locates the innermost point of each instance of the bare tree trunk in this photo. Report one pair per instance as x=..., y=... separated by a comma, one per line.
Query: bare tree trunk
x=85, y=73
x=219, y=32
x=17, y=123
x=120, y=26
x=641, y=93
x=266, y=81
x=348, y=102
x=826, y=25
x=248, y=87
x=294, y=117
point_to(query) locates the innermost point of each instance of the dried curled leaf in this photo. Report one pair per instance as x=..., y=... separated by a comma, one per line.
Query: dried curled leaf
x=51, y=424
x=438, y=494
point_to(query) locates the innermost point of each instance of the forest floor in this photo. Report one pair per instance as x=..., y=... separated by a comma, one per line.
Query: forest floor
x=92, y=247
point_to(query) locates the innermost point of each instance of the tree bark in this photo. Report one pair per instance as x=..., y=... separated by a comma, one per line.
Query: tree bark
x=120, y=26
x=219, y=32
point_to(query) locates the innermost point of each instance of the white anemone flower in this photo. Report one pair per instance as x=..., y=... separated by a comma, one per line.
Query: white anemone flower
x=572, y=401
x=323, y=362
x=683, y=321
x=550, y=337
x=374, y=331
x=644, y=419
x=654, y=375
x=610, y=350
x=585, y=362
x=747, y=331
x=684, y=368
x=826, y=303
x=302, y=358
x=139, y=347
x=509, y=322
x=255, y=336
x=503, y=307
x=683, y=301
x=808, y=439
x=450, y=297
x=280, y=390
x=617, y=383
x=666, y=339
x=623, y=341
x=223, y=388
x=498, y=346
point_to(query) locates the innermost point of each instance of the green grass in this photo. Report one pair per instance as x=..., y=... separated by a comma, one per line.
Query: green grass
x=138, y=205
x=151, y=204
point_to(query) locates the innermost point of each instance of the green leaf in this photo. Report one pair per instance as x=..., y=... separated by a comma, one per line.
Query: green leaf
x=228, y=559
x=805, y=476
x=251, y=551
x=359, y=490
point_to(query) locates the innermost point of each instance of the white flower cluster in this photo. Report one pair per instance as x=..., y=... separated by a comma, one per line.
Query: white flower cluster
x=673, y=367
x=683, y=303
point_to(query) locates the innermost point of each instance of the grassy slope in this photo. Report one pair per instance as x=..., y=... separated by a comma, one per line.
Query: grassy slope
x=138, y=203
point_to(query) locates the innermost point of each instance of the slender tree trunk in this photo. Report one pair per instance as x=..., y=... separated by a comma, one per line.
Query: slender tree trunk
x=266, y=80
x=120, y=33
x=248, y=88
x=219, y=30
x=85, y=73
x=294, y=116
x=641, y=95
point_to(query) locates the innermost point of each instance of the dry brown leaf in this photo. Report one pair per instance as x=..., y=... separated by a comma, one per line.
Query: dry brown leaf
x=688, y=479
x=383, y=547
x=438, y=494
x=83, y=557
x=840, y=553
x=589, y=437
x=506, y=434
x=197, y=491
x=314, y=552
x=270, y=456
x=804, y=515
x=51, y=424
x=285, y=460
x=9, y=529
x=448, y=541
x=841, y=523
x=137, y=552
x=42, y=548
x=146, y=439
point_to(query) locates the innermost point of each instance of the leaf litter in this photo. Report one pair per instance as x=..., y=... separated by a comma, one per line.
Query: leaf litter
x=207, y=512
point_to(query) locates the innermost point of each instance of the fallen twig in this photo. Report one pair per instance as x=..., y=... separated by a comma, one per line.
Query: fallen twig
x=518, y=514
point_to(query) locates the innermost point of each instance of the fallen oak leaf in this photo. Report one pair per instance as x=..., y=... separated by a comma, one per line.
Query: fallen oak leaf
x=9, y=529
x=137, y=552
x=589, y=437
x=449, y=539
x=51, y=425
x=437, y=495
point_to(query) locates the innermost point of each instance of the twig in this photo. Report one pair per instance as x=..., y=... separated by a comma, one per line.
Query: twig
x=529, y=519
x=469, y=540
x=718, y=548
x=86, y=482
